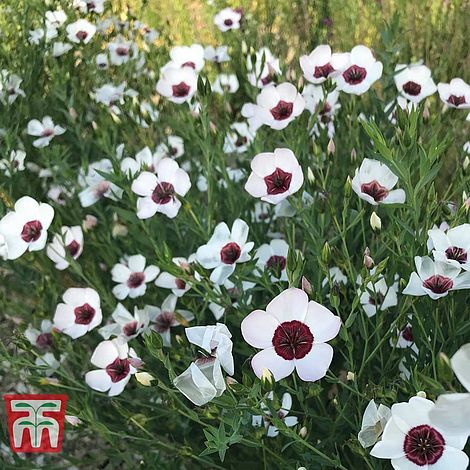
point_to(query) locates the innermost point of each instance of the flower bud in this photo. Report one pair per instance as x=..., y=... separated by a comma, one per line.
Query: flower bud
x=350, y=376
x=426, y=113
x=347, y=187
x=421, y=394
x=375, y=221
x=306, y=286
x=325, y=253
x=353, y=155
x=144, y=378
x=267, y=380
x=331, y=147
x=444, y=368
x=310, y=175
x=303, y=432
x=73, y=420
x=368, y=261
x=465, y=163
x=89, y=223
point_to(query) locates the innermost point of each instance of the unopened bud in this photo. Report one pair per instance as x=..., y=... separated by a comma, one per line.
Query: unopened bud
x=426, y=113
x=465, y=163
x=351, y=376
x=303, y=432
x=347, y=187
x=325, y=253
x=444, y=368
x=310, y=175
x=353, y=155
x=331, y=147
x=306, y=286
x=368, y=261
x=89, y=223
x=267, y=379
x=73, y=114
x=144, y=378
x=421, y=394
x=375, y=221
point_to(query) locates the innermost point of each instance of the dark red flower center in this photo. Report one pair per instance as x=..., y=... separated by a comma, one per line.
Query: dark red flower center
x=407, y=333
x=189, y=64
x=84, y=314
x=323, y=71
x=423, y=445
x=230, y=253
x=438, y=284
x=354, y=74
x=457, y=254
x=278, y=182
x=82, y=35
x=31, y=231
x=180, y=284
x=164, y=321
x=163, y=193
x=276, y=263
x=268, y=79
x=181, y=90
x=47, y=132
x=73, y=248
x=412, y=88
x=122, y=51
x=376, y=298
x=292, y=340
x=282, y=110
x=119, y=369
x=375, y=190
x=44, y=340
x=241, y=141
x=456, y=100
x=130, y=329
x=228, y=22
x=135, y=280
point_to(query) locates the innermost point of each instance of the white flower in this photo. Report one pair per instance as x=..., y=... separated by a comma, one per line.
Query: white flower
x=452, y=410
x=391, y=108
x=46, y=130
x=25, y=228
x=178, y=85
x=404, y=339
x=314, y=96
x=373, y=423
x=317, y=66
x=224, y=250
x=3, y=247
x=115, y=369
x=14, y=164
x=435, y=278
x=95, y=185
x=174, y=147
x=234, y=292
x=274, y=176
x=225, y=83
x=358, y=70
x=413, y=441
x=265, y=70
x=49, y=363
x=336, y=275
x=217, y=54
x=455, y=94
x=111, y=95
x=374, y=181
x=272, y=258
x=55, y=19
x=41, y=338
x=282, y=413
x=276, y=107
x=186, y=56
x=120, y=51
x=378, y=296
x=69, y=243
x=215, y=340
x=238, y=138
x=80, y=31
x=102, y=61
x=35, y=36
x=292, y=334
x=158, y=191
x=132, y=278
x=414, y=82
x=80, y=312
x=10, y=87
x=168, y=316
x=126, y=325
x=228, y=19
x=452, y=246
x=60, y=48
x=87, y=6
x=144, y=159
x=177, y=285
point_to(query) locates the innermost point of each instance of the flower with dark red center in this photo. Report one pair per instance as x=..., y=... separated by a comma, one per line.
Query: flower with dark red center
x=122, y=51
x=130, y=329
x=457, y=254
x=82, y=35
x=438, y=284
x=292, y=340
x=135, y=280
x=180, y=90
x=354, y=74
x=119, y=369
x=278, y=182
x=180, y=284
x=412, y=88
x=282, y=110
x=456, y=100
x=163, y=193
x=375, y=190
x=31, y=231
x=423, y=445
x=189, y=64
x=323, y=71
x=267, y=79
x=73, y=248
x=276, y=263
x=228, y=22
x=44, y=340
x=84, y=314
x=164, y=321
x=230, y=253
x=241, y=141
x=407, y=333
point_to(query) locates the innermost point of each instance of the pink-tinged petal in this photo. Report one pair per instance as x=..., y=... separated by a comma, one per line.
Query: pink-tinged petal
x=166, y=280
x=451, y=459
x=323, y=324
x=104, y=354
x=76, y=331
x=120, y=273
x=208, y=257
x=258, y=329
x=146, y=208
x=181, y=183
x=98, y=380
x=137, y=292
x=314, y=365
x=144, y=184
x=46, y=215
x=269, y=359
x=292, y=304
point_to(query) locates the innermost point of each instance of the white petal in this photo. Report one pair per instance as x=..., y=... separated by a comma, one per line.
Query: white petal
x=314, y=365
x=258, y=329
x=269, y=359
